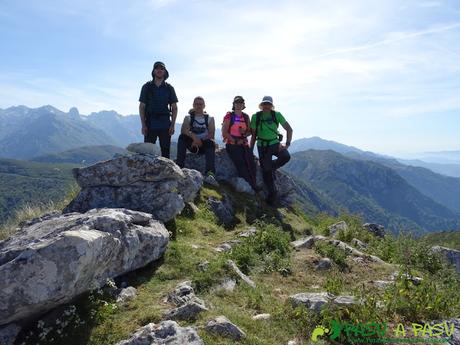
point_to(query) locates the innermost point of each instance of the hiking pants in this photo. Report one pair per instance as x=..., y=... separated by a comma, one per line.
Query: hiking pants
x=243, y=159
x=165, y=140
x=269, y=166
x=208, y=149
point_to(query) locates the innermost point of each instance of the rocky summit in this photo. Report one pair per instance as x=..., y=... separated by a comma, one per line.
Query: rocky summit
x=140, y=182
x=48, y=262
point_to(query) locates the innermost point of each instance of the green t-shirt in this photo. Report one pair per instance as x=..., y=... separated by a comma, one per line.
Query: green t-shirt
x=268, y=130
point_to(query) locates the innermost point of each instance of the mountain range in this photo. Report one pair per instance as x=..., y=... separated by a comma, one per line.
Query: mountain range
x=331, y=176
x=373, y=190
x=30, y=132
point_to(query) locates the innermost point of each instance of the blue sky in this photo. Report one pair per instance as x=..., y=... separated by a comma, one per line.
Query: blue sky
x=379, y=75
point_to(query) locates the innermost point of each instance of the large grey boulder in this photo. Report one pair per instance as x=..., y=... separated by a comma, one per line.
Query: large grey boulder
x=50, y=262
x=225, y=169
x=166, y=332
x=451, y=255
x=226, y=172
x=137, y=182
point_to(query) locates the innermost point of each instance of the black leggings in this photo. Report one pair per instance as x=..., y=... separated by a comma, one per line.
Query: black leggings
x=243, y=159
x=269, y=166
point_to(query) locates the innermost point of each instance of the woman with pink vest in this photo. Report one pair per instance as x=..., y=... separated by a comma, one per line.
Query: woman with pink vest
x=235, y=130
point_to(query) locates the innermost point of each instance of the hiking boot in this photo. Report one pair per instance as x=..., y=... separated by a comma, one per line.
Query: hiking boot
x=210, y=179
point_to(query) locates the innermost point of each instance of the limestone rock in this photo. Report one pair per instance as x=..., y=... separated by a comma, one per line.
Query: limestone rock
x=382, y=284
x=126, y=295
x=306, y=243
x=376, y=229
x=262, y=317
x=335, y=228
x=359, y=244
x=190, y=185
x=182, y=294
x=166, y=332
x=211, y=180
x=355, y=252
x=345, y=300
x=222, y=326
x=240, y=274
x=187, y=311
x=223, y=210
x=227, y=246
x=323, y=264
x=50, y=262
x=226, y=172
x=251, y=231
x=227, y=284
x=241, y=185
x=138, y=182
x=451, y=255
x=127, y=170
x=313, y=301
x=142, y=148
x=225, y=169
x=203, y=266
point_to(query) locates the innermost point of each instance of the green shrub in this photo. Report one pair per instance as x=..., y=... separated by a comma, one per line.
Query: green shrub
x=269, y=246
x=435, y=297
x=334, y=284
x=336, y=254
x=408, y=251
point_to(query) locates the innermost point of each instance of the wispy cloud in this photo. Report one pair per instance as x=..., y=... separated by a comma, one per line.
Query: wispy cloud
x=330, y=67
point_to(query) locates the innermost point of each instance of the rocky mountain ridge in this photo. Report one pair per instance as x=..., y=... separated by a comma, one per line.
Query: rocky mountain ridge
x=261, y=277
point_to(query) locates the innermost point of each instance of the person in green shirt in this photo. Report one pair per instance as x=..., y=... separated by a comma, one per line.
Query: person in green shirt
x=264, y=128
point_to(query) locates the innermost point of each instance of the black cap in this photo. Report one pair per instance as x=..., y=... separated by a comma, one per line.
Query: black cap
x=160, y=64
x=238, y=99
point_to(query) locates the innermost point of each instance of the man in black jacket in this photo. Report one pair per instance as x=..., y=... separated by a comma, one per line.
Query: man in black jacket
x=158, y=109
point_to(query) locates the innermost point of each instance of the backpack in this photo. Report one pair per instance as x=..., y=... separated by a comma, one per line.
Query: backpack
x=192, y=120
x=232, y=120
x=259, y=120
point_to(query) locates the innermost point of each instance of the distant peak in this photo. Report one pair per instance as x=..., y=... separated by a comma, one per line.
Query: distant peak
x=73, y=112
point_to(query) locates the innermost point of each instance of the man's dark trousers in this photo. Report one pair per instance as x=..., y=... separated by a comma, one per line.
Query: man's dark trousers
x=165, y=140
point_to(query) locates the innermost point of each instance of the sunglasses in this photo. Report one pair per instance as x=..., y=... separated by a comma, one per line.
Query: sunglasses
x=160, y=67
